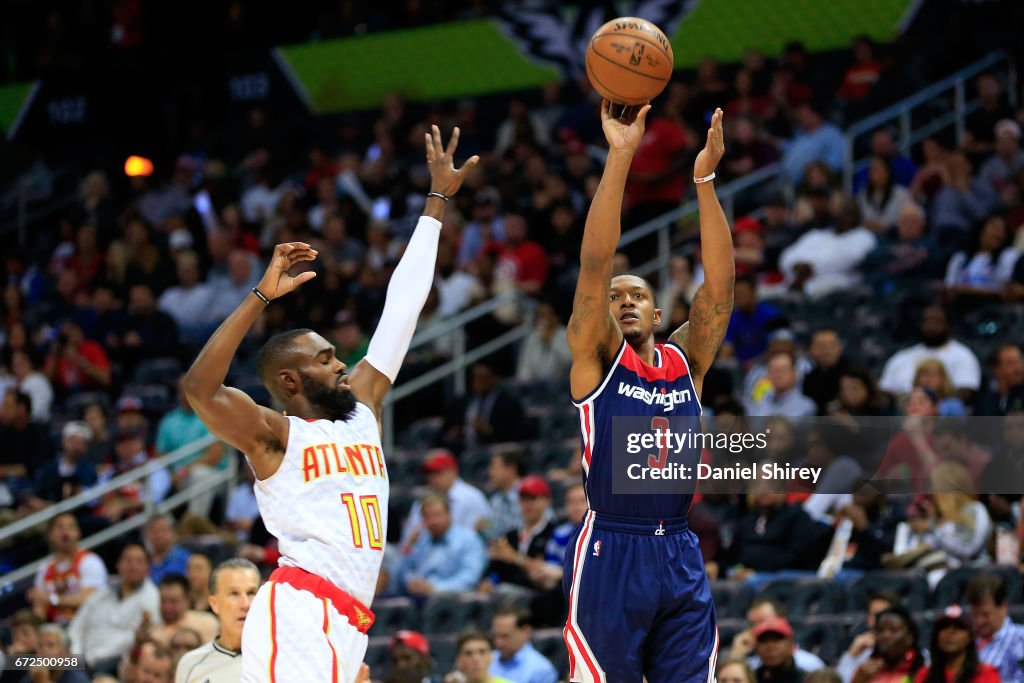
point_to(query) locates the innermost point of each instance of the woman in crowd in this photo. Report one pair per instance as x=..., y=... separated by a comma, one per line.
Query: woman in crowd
x=896, y=657
x=954, y=653
x=882, y=199
x=931, y=374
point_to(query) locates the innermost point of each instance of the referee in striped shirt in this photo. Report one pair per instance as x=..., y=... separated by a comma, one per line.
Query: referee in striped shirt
x=1000, y=641
x=233, y=585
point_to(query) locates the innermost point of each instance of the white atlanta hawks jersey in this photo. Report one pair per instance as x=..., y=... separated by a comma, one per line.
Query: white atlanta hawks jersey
x=327, y=504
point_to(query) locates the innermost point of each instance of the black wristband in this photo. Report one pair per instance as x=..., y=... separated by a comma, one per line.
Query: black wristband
x=438, y=195
x=258, y=293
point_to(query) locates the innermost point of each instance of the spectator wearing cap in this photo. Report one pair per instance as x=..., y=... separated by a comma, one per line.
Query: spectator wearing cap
x=1000, y=642
x=188, y=302
x=443, y=558
x=1002, y=168
x=518, y=660
x=75, y=363
x=774, y=646
x=744, y=645
x=485, y=228
x=937, y=342
x=827, y=260
x=130, y=414
x=410, y=658
x=1004, y=392
x=954, y=653
x=511, y=553
x=784, y=397
x=487, y=414
x=64, y=582
x=815, y=140
x=508, y=466
x=468, y=504
x=130, y=452
x=751, y=321
x=166, y=556
x=71, y=471
x=748, y=238
x=25, y=443
x=178, y=428
x=104, y=627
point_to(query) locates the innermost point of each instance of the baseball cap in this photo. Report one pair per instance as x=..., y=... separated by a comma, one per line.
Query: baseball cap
x=953, y=615
x=747, y=224
x=777, y=625
x=440, y=459
x=76, y=428
x=535, y=486
x=413, y=640
x=129, y=404
x=1008, y=127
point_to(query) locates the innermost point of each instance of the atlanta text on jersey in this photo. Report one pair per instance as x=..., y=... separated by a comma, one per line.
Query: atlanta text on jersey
x=668, y=399
x=702, y=472
x=677, y=442
x=359, y=460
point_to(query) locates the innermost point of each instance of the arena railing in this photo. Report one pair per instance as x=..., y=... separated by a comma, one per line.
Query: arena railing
x=938, y=93
x=37, y=521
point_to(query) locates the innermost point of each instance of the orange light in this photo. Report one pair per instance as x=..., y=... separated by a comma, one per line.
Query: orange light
x=138, y=166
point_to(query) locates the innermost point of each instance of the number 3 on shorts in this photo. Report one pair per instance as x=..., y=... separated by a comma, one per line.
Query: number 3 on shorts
x=371, y=517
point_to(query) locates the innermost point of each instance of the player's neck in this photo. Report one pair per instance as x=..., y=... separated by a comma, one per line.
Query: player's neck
x=644, y=350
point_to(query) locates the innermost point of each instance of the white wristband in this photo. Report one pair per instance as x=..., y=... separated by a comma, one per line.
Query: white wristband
x=705, y=179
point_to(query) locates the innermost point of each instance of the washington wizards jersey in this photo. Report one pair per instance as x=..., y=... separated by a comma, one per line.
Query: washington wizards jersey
x=632, y=388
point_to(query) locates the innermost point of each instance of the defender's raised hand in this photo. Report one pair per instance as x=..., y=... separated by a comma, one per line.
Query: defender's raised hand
x=444, y=177
x=276, y=281
x=708, y=158
x=623, y=135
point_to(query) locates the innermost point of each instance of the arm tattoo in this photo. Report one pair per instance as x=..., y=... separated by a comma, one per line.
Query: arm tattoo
x=703, y=333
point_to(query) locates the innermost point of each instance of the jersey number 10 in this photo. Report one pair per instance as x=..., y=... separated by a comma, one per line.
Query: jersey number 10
x=371, y=520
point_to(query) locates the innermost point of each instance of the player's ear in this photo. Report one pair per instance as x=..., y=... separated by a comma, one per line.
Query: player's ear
x=657, y=317
x=289, y=381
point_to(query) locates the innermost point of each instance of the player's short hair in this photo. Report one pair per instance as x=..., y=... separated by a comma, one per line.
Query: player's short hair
x=174, y=580
x=272, y=353
x=647, y=285
x=65, y=641
x=522, y=615
x=435, y=498
x=472, y=635
x=514, y=457
x=780, y=609
x=986, y=587
x=233, y=563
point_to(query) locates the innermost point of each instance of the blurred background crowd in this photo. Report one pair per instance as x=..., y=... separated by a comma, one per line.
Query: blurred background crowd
x=898, y=294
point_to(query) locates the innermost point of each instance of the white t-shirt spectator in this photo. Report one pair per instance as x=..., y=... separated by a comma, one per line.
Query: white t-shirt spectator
x=456, y=291
x=835, y=258
x=187, y=306
x=961, y=364
x=40, y=392
x=105, y=624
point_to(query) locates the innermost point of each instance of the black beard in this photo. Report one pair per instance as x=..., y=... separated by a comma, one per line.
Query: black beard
x=934, y=341
x=332, y=402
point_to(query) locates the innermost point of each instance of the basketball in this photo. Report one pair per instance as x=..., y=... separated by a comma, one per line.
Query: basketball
x=629, y=61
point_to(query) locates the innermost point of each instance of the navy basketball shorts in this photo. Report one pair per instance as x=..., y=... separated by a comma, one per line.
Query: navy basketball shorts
x=639, y=603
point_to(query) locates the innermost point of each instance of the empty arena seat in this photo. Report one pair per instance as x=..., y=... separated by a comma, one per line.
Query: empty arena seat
x=157, y=371
x=732, y=598
x=911, y=585
x=474, y=466
x=378, y=655
x=394, y=614
x=805, y=596
x=452, y=612
x=824, y=635
x=443, y=648
x=422, y=433
x=953, y=586
x=550, y=643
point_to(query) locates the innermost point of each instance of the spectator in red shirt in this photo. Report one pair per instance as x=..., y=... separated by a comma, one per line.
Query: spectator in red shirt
x=76, y=363
x=657, y=178
x=523, y=260
x=954, y=653
x=862, y=76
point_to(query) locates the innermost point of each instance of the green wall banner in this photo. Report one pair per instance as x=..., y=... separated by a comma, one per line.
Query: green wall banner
x=540, y=41
x=15, y=99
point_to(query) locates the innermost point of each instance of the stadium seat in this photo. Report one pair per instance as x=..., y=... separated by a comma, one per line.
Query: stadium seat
x=1017, y=613
x=452, y=612
x=422, y=433
x=732, y=598
x=157, y=371
x=76, y=403
x=925, y=620
x=474, y=466
x=911, y=585
x=824, y=635
x=156, y=398
x=394, y=614
x=550, y=643
x=443, y=648
x=950, y=590
x=728, y=629
x=547, y=455
x=805, y=596
x=378, y=655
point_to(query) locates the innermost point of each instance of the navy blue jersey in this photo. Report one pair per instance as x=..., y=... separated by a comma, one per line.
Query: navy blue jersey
x=636, y=389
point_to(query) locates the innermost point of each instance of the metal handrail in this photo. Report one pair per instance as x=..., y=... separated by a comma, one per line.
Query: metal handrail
x=219, y=478
x=88, y=496
x=901, y=110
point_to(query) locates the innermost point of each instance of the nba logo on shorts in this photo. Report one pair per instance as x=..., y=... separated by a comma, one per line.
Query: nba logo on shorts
x=597, y=549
